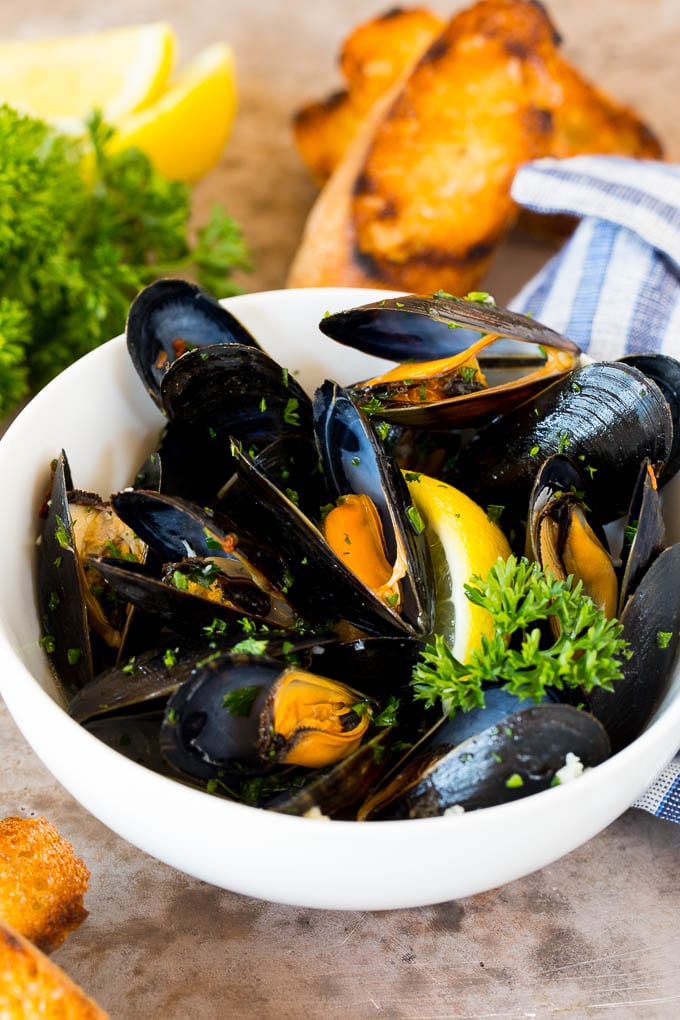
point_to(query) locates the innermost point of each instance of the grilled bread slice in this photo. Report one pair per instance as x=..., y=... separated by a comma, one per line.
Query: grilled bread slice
x=372, y=58
x=32, y=987
x=42, y=881
x=420, y=197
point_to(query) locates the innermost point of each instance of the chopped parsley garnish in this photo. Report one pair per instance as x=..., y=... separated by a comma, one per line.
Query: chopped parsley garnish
x=60, y=533
x=494, y=512
x=240, y=701
x=216, y=627
x=663, y=638
x=514, y=781
x=374, y=406
x=170, y=657
x=47, y=643
x=291, y=415
x=388, y=715
x=73, y=656
x=251, y=646
x=180, y=580
x=415, y=520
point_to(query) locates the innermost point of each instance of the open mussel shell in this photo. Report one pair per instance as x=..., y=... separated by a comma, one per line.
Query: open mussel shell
x=644, y=533
x=213, y=721
x=517, y=756
x=170, y=317
x=607, y=415
x=319, y=585
x=208, y=569
x=147, y=678
x=468, y=383
x=177, y=529
x=651, y=625
x=334, y=792
x=355, y=462
x=424, y=328
x=61, y=597
x=245, y=713
x=292, y=464
x=188, y=612
x=561, y=538
x=235, y=391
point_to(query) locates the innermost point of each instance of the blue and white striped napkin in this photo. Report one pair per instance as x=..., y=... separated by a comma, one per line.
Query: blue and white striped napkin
x=614, y=287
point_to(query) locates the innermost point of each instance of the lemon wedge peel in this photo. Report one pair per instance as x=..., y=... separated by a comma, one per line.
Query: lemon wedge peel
x=463, y=542
x=62, y=79
x=184, y=132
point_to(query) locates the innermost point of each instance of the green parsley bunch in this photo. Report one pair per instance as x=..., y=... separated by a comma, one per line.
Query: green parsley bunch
x=81, y=231
x=586, y=653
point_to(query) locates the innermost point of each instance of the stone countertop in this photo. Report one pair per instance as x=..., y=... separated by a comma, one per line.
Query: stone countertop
x=594, y=934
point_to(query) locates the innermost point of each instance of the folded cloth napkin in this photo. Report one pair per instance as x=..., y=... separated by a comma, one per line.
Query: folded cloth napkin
x=614, y=287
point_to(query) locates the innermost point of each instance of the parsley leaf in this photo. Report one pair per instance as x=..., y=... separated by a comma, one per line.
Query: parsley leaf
x=520, y=596
x=82, y=230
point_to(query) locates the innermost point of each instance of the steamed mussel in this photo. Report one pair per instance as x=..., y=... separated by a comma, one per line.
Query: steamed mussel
x=272, y=579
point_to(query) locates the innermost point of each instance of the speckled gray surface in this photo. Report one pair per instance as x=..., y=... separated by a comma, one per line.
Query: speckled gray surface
x=596, y=933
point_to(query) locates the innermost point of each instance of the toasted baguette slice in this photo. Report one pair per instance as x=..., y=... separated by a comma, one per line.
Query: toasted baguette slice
x=373, y=57
x=375, y=54
x=42, y=881
x=423, y=195
x=34, y=988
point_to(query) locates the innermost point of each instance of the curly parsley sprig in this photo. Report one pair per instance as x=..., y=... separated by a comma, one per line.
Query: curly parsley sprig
x=587, y=652
x=82, y=229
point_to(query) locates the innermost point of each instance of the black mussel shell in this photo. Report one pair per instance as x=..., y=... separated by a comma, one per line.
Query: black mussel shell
x=170, y=317
x=561, y=536
x=61, y=599
x=424, y=328
x=146, y=678
x=651, y=624
x=378, y=666
x=292, y=464
x=212, y=722
x=133, y=736
x=235, y=391
x=354, y=461
x=517, y=756
x=189, y=462
x=188, y=612
x=333, y=792
x=607, y=415
x=644, y=534
x=665, y=372
x=319, y=585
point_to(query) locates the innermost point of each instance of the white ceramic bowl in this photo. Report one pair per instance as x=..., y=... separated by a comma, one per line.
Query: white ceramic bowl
x=98, y=411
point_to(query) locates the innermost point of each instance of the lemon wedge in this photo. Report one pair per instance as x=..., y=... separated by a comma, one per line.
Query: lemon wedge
x=61, y=80
x=184, y=131
x=463, y=541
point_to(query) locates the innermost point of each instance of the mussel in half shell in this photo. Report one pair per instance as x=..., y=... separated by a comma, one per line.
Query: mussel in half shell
x=455, y=384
